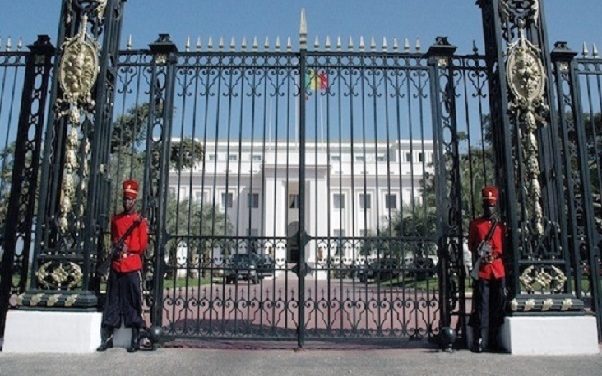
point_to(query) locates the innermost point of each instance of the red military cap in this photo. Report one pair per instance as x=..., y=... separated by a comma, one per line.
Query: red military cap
x=490, y=194
x=130, y=188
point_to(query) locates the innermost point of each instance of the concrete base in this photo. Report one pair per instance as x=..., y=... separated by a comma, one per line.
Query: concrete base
x=122, y=337
x=51, y=332
x=551, y=335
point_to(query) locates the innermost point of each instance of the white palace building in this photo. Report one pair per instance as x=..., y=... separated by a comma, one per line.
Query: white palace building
x=356, y=187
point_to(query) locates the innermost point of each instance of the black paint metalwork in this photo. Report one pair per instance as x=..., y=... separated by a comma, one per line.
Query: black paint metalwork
x=17, y=233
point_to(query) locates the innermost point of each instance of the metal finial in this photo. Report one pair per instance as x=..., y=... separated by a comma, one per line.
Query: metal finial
x=303, y=30
x=232, y=44
x=395, y=44
x=384, y=43
x=585, y=51
x=594, y=50
x=198, y=43
x=221, y=43
x=19, y=44
x=339, y=43
x=255, y=43
x=9, y=43
x=475, y=49
x=350, y=45
x=210, y=43
x=130, y=42
x=289, y=44
x=277, y=45
x=406, y=45
x=417, y=44
x=327, y=43
x=243, y=44
x=372, y=44
x=362, y=44
x=266, y=44
x=0, y=43
x=187, y=45
x=317, y=42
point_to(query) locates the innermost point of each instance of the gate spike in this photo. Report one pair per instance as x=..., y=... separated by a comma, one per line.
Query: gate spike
x=350, y=45
x=19, y=44
x=317, y=42
x=129, y=44
x=187, y=45
x=475, y=49
x=9, y=43
x=362, y=45
x=384, y=44
x=395, y=44
x=277, y=45
x=303, y=30
x=339, y=43
x=372, y=44
x=594, y=50
x=417, y=44
x=327, y=43
x=289, y=45
x=406, y=45
x=221, y=43
x=232, y=44
x=266, y=44
x=210, y=43
x=243, y=44
x=0, y=43
x=255, y=44
x=585, y=51
x=198, y=43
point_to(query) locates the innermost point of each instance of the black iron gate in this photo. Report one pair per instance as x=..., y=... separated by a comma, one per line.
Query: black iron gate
x=239, y=147
x=292, y=193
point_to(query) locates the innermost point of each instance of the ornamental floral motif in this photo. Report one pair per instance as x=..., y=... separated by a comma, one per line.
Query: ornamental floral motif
x=59, y=276
x=78, y=70
x=546, y=279
x=526, y=79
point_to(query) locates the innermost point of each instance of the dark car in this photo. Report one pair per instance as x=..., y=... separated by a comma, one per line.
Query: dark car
x=265, y=266
x=383, y=269
x=242, y=266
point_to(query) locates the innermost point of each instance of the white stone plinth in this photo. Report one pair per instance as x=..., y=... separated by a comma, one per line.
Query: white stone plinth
x=51, y=332
x=550, y=335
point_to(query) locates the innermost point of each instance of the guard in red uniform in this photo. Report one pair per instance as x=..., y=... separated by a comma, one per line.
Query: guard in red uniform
x=485, y=240
x=129, y=235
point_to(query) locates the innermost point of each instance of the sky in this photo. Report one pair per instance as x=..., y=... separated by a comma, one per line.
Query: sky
x=574, y=21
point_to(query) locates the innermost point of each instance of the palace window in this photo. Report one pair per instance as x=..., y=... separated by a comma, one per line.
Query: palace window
x=391, y=201
x=293, y=201
x=253, y=200
x=365, y=201
x=227, y=200
x=338, y=200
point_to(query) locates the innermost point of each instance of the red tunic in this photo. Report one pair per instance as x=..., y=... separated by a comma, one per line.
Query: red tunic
x=478, y=230
x=136, y=243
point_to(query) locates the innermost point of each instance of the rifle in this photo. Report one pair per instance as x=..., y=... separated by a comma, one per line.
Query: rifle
x=116, y=248
x=483, y=250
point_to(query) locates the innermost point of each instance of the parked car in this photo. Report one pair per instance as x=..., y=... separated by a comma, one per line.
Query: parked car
x=379, y=270
x=266, y=266
x=242, y=266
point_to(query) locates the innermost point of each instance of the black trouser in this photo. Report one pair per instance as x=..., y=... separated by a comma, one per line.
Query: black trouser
x=490, y=302
x=124, y=301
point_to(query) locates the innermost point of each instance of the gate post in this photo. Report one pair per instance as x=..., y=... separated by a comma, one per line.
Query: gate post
x=529, y=173
x=69, y=224
x=28, y=144
x=156, y=170
x=449, y=199
x=581, y=217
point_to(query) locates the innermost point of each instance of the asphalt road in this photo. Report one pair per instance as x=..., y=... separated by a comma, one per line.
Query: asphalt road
x=316, y=361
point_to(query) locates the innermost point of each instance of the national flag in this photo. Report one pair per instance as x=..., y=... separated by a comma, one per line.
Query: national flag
x=316, y=80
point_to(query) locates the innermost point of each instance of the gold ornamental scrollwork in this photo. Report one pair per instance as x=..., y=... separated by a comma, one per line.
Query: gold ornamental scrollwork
x=78, y=70
x=526, y=79
x=545, y=279
x=59, y=276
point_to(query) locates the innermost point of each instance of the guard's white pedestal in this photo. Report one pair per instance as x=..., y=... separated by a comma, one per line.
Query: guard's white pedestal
x=122, y=337
x=550, y=335
x=51, y=332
